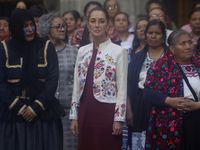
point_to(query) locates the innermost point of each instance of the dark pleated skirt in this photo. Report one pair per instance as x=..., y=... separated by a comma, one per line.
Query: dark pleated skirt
x=191, y=131
x=37, y=135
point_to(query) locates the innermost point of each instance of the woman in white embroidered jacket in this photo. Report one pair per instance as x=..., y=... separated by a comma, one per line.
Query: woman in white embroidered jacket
x=100, y=82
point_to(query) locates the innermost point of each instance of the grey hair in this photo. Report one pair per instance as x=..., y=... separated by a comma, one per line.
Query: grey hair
x=174, y=36
x=45, y=22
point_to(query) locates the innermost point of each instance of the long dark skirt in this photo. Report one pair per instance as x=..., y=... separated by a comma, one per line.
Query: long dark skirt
x=37, y=135
x=137, y=133
x=191, y=131
x=95, y=125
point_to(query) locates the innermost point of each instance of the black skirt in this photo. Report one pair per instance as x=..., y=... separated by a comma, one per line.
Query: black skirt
x=191, y=131
x=140, y=116
x=141, y=113
x=37, y=135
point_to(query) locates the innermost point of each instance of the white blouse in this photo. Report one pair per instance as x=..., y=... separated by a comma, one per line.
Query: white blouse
x=148, y=62
x=193, y=78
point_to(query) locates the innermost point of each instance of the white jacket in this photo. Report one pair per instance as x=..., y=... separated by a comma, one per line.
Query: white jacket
x=110, y=77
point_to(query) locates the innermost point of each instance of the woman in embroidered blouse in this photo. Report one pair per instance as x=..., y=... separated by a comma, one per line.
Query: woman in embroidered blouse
x=121, y=24
x=166, y=88
x=52, y=25
x=137, y=108
x=29, y=112
x=99, y=96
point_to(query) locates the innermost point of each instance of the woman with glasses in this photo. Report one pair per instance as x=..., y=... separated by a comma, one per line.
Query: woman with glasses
x=151, y=4
x=112, y=7
x=159, y=14
x=54, y=26
x=29, y=112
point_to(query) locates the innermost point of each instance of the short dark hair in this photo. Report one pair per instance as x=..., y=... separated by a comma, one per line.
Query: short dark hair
x=38, y=10
x=99, y=9
x=148, y=4
x=89, y=4
x=75, y=13
x=5, y=18
x=123, y=13
x=158, y=23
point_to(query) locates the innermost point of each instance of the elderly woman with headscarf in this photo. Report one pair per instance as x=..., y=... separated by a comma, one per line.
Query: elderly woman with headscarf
x=54, y=26
x=29, y=112
x=172, y=87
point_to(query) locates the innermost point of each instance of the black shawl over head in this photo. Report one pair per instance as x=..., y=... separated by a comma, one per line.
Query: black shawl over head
x=26, y=50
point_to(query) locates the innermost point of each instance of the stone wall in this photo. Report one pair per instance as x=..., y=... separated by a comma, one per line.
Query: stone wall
x=134, y=8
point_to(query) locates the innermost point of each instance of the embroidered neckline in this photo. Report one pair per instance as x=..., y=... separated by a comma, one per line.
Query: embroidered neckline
x=189, y=70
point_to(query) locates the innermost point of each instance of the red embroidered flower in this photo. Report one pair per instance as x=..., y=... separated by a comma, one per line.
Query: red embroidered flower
x=188, y=68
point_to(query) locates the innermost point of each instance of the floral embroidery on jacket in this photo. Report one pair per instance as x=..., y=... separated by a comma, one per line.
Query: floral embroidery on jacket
x=104, y=76
x=110, y=73
x=84, y=64
x=108, y=90
x=83, y=56
x=99, y=68
x=120, y=110
x=97, y=89
x=74, y=110
x=82, y=84
x=110, y=60
x=110, y=69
